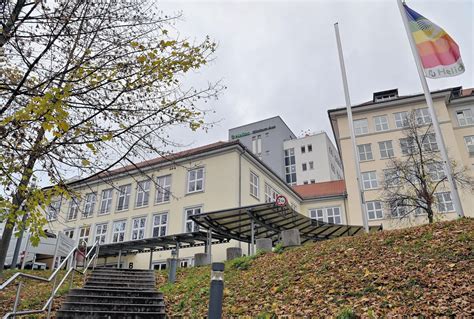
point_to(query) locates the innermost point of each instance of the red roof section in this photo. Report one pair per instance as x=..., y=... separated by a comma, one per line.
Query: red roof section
x=321, y=189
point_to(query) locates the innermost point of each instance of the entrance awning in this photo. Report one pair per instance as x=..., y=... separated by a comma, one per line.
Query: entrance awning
x=269, y=220
x=170, y=242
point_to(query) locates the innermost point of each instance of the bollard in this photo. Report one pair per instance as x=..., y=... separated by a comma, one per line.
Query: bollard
x=173, y=264
x=217, y=291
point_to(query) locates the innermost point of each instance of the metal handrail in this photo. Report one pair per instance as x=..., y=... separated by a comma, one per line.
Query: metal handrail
x=49, y=302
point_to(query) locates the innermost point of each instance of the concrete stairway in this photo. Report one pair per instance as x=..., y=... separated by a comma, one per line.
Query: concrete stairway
x=115, y=293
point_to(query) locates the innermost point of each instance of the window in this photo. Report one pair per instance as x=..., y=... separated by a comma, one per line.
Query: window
x=89, y=205
x=196, y=180
x=185, y=263
x=106, y=201
x=159, y=266
x=138, y=228
x=160, y=223
x=84, y=234
x=407, y=145
x=118, y=231
x=422, y=116
x=369, y=180
x=401, y=119
x=445, y=203
x=257, y=145
x=436, y=171
x=124, y=197
x=386, y=149
x=290, y=166
x=73, y=208
x=190, y=225
x=469, y=140
x=69, y=233
x=365, y=152
x=270, y=194
x=391, y=177
x=398, y=209
x=381, y=123
x=312, y=181
x=53, y=210
x=101, y=233
x=330, y=215
x=374, y=210
x=303, y=149
x=465, y=117
x=304, y=167
x=429, y=142
x=143, y=193
x=361, y=127
x=163, y=189
x=305, y=183
x=254, y=184
x=310, y=148
x=311, y=165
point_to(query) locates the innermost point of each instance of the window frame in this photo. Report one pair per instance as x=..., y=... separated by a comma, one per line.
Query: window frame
x=381, y=126
x=469, y=144
x=108, y=202
x=194, y=226
x=143, y=193
x=89, y=206
x=366, y=151
x=195, y=181
x=401, y=122
x=81, y=236
x=119, y=231
x=386, y=150
x=140, y=230
x=376, y=211
x=52, y=210
x=370, y=180
x=422, y=116
x=163, y=189
x=73, y=209
x=124, y=196
x=468, y=120
x=161, y=225
x=322, y=214
x=102, y=235
x=359, y=129
x=442, y=205
x=254, y=185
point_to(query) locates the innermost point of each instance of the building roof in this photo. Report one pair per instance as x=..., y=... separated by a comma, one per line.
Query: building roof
x=159, y=160
x=324, y=189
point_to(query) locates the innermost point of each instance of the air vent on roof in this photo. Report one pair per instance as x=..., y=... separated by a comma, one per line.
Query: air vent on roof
x=385, y=95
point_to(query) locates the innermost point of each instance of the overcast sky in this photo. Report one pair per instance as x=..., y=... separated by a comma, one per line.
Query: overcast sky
x=280, y=57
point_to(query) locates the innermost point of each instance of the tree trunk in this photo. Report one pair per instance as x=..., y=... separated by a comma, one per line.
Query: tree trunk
x=7, y=234
x=430, y=212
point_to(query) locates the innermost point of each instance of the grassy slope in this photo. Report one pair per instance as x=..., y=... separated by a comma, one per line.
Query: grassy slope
x=423, y=271
x=34, y=294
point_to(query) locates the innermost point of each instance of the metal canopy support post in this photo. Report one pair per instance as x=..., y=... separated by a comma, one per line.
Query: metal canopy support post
x=209, y=244
x=252, y=238
x=151, y=259
x=119, y=258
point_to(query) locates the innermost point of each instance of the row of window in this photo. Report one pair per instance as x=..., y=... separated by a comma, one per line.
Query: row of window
x=290, y=166
x=361, y=126
x=270, y=192
x=401, y=209
x=195, y=183
x=138, y=230
x=306, y=166
x=370, y=181
x=304, y=147
x=407, y=146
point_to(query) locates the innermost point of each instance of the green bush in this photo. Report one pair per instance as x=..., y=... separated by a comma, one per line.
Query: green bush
x=278, y=249
x=347, y=313
x=241, y=263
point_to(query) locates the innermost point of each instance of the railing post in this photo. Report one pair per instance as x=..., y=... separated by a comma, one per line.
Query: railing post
x=52, y=296
x=17, y=297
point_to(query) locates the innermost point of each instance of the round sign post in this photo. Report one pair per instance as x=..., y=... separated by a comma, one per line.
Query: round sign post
x=281, y=200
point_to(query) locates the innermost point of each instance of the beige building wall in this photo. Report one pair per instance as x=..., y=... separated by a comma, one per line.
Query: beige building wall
x=226, y=185
x=453, y=137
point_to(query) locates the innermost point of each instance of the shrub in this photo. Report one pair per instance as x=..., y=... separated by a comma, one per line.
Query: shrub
x=241, y=263
x=347, y=313
x=278, y=248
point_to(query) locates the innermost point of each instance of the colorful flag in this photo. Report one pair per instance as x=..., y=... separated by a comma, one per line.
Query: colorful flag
x=439, y=54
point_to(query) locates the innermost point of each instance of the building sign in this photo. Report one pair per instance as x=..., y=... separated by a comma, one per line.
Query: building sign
x=239, y=135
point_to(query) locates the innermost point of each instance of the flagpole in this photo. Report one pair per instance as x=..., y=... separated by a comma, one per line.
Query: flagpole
x=351, y=128
x=429, y=101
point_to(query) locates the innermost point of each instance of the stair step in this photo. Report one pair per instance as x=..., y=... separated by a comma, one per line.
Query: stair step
x=113, y=307
x=126, y=276
x=96, y=314
x=120, y=279
x=116, y=292
x=115, y=299
x=138, y=288
x=123, y=271
x=120, y=283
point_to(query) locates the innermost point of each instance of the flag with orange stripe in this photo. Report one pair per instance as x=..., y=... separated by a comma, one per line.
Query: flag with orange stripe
x=439, y=54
